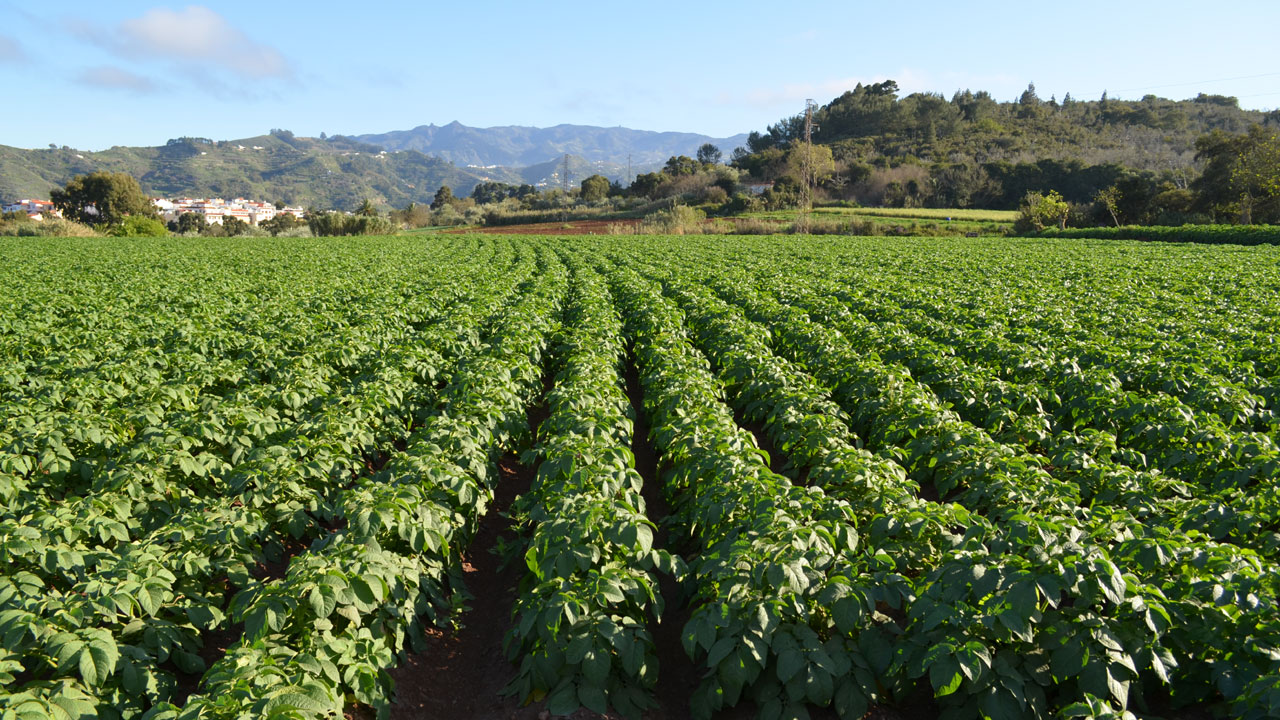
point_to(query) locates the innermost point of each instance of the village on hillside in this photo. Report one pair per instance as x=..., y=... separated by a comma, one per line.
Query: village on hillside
x=213, y=210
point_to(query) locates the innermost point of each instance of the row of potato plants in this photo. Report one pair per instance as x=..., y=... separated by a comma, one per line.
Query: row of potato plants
x=158, y=594
x=1224, y=470
x=197, y=378
x=760, y=546
x=580, y=622
x=1015, y=414
x=357, y=600
x=1166, y=601
x=972, y=672
x=1150, y=341
x=1217, y=436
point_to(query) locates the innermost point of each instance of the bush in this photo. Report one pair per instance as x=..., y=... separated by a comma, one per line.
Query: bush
x=138, y=226
x=333, y=224
x=678, y=220
x=49, y=227
x=1039, y=211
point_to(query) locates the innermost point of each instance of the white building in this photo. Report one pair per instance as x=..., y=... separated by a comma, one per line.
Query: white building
x=35, y=209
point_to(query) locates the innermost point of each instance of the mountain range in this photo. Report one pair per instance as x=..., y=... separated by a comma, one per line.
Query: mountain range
x=392, y=169
x=518, y=146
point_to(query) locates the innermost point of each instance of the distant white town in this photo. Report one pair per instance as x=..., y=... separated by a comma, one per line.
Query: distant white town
x=213, y=210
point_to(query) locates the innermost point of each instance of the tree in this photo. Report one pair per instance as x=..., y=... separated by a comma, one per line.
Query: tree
x=595, y=188
x=444, y=196
x=188, y=222
x=646, y=185
x=366, y=208
x=102, y=198
x=1108, y=198
x=1241, y=175
x=678, y=165
x=1039, y=211
x=234, y=226
x=280, y=223
x=709, y=154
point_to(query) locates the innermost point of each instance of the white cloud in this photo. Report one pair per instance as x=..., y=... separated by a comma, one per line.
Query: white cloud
x=195, y=36
x=11, y=50
x=114, y=78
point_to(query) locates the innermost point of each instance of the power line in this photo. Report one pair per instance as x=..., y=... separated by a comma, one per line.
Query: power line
x=1200, y=82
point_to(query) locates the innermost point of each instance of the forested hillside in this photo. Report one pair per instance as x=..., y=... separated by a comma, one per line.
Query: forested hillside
x=973, y=151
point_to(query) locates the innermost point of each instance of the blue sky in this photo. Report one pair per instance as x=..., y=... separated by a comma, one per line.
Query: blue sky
x=93, y=74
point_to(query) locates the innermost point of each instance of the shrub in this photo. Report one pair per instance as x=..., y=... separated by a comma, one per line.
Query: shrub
x=138, y=226
x=49, y=227
x=678, y=220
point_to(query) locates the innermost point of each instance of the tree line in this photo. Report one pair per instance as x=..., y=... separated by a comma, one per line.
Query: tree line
x=1130, y=162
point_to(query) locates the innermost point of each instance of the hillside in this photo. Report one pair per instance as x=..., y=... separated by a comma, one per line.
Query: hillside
x=335, y=173
x=517, y=146
x=339, y=172
x=973, y=151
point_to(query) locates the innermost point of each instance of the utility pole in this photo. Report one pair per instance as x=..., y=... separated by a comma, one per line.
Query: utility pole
x=810, y=173
x=628, y=169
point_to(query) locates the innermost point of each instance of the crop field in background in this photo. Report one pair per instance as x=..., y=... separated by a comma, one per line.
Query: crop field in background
x=970, y=215
x=986, y=222
x=766, y=476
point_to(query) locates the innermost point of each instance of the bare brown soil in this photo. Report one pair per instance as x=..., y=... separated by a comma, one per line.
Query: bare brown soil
x=460, y=674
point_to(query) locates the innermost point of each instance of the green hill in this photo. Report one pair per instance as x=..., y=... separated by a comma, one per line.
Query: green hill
x=974, y=151
x=332, y=173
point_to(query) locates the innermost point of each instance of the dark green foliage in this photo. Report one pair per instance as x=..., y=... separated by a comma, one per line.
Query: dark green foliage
x=334, y=224
x=102, y=198
x=233, y=226
x=595, y=188
x=981, y=153
x=139, y=226
x=187, y=222
x=1241, y=179
x=282, y=222
x=1210, y=234
x=443, y=196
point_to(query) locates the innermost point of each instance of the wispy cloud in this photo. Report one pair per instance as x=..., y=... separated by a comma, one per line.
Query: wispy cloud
x=11, y=50
x=194, y=36
x=113, y=78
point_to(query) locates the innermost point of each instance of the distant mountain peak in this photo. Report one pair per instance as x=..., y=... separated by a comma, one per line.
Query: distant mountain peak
x=524, y=146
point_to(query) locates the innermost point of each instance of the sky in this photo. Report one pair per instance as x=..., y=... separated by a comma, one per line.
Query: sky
x=92, y=74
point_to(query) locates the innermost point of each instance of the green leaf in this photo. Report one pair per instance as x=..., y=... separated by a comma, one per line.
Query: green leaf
x=593, y=698
x=790, y=662
x=364, y=591
x=818, y=686
x=564, y=700
x=847, y=613
x=945, y=675
x=1022, y=598
x=721, y=650
x=1118, y=684
x=849, y=701
x=595, y=667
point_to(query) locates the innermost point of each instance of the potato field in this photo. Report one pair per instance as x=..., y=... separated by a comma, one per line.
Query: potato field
x=890, y=478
